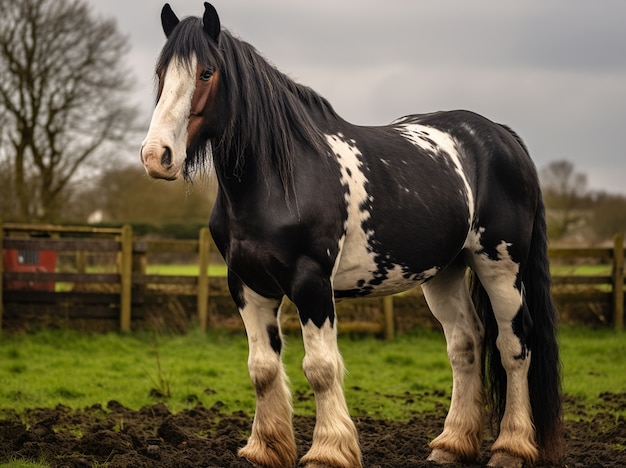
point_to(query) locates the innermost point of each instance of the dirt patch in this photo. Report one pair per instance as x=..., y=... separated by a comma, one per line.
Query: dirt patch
x=116, y=436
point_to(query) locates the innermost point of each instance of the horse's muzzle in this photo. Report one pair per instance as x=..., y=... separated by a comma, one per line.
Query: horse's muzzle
x=158, y=161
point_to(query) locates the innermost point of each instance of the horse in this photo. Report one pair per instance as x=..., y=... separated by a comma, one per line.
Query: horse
x=316, y=209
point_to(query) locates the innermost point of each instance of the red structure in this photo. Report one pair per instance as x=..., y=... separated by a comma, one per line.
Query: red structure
x=30, y=261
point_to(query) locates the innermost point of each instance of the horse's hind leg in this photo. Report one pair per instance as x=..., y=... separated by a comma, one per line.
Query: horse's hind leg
x=499, y=276
x=448, y=297
x=271, y=442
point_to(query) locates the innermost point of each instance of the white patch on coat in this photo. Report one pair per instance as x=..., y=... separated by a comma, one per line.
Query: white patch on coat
x=168, y=126
x=355, y=265
x=355, y=261
x=430, y=273
x=498, y=276
x=438, y=143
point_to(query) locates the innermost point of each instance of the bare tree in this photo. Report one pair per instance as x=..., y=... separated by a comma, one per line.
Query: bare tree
x=63, y=101
x=565, y=193
x=609, y=215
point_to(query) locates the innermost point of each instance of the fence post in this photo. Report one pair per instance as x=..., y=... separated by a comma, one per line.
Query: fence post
x=204, y=251
x=618, y=281
x=81, y=261
x=388, y=312
x=126, y=277
x=1, y=272
x=138, y=269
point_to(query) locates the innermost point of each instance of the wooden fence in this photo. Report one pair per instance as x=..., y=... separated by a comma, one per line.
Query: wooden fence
x=614, y=281
x=81, y=288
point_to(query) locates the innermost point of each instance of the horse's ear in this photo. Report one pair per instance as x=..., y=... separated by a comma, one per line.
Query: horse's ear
x=211, y=21
x=169, y=20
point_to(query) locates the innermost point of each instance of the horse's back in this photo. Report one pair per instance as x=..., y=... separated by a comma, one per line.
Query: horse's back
x=502, y=178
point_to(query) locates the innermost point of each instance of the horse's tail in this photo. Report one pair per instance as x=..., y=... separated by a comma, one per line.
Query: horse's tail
x=544, y=380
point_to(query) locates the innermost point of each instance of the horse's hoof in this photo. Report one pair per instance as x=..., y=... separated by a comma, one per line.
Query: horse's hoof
x=505, y=460
x=442, y=457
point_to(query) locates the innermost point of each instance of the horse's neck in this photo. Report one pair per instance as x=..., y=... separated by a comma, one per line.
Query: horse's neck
x=238, y=178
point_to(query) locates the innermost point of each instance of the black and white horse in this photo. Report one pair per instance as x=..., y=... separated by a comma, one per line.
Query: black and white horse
x=314, y=208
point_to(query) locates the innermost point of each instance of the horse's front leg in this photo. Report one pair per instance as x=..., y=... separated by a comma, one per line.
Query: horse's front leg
x=335, y=439
x=271, y=442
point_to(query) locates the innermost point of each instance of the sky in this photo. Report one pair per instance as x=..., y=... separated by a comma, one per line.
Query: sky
x=553, y=70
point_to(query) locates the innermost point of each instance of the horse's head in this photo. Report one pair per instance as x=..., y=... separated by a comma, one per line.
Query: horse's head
x=187, y=113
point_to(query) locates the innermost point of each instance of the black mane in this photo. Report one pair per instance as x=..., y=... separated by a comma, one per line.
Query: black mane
x=268, y=111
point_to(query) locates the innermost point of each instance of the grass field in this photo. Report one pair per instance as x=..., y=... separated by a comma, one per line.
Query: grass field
x=582, y=270
x=219, y=269
x=185, y=270
x=390, y=379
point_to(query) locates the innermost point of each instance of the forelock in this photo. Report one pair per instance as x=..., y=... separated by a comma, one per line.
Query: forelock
x=186, y=41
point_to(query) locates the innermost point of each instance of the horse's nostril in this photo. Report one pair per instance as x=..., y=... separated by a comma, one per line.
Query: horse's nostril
x=166, y=159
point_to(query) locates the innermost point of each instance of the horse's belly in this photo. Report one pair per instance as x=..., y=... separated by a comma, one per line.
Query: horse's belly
x=353, y=284
x=362, y=272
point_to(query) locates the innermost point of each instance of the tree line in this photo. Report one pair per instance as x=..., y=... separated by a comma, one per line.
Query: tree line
x=575, y=213
x=66, y=123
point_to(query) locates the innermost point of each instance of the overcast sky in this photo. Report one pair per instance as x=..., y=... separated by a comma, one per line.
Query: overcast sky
x=554, y=70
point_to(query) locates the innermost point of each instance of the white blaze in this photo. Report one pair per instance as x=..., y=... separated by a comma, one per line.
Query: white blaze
x=168, y=127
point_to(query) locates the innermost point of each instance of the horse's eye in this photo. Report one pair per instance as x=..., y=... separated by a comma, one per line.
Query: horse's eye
x=206, y=74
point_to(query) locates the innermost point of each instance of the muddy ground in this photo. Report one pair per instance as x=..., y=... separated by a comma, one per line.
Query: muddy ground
x=115, y=436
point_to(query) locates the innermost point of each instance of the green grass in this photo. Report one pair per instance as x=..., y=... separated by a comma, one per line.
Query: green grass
x=191, y=269
x=391, y=379
x=216, y=270
x=219, y=269
x=78, y=370
x=24, y=464
x=185, y=270
x=582, y=270
x=593, y=363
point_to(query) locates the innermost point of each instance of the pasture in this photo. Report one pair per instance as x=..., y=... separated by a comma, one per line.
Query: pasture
x=81, y=383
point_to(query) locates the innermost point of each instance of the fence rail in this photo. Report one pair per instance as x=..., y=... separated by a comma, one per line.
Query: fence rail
x=129, y=286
